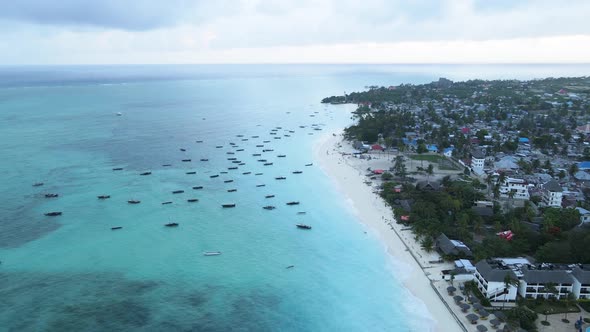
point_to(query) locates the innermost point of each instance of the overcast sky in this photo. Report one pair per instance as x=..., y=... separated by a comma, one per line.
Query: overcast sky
x=294, y=31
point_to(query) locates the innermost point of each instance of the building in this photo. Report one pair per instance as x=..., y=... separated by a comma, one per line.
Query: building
x=448, y=152
x=520, y=187
x=452, y=248
x=552, y=194
x=490, y=276
x=545, y=283
x=477, y=161
x=584, y=215
x=581, y=287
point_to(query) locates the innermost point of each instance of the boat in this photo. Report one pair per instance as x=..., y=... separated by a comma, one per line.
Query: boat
x=244, y=139
x=118, y=169
x=178, y=191
x=260, y=185
x=192, y=200
x=228, y=205
x=145, y=173
x=260, y=145
x=301, y=212
x=269, y=207
x=282, y=156
x=269, y=196
x=292, y=203
x=256, y=155
x=199, y=141
x=310, y=164
x=186, y=160
x=233, y=158
x=239, y=135
x=51, y=195
x=239, y=150
x=204, y=159
x=236, y=161
x=115, y=228
x=265, y=141
x=171, y=224
x=267, y=164
x=38, y=184
x=277, y=137
x=231, y=168
x=228, y=181
x=232, y=144
x=212, y=253
x=303, y=226
x=104, y=196
x=219, y=146
x=229, y=152
x=192, y=172
x=119, y=113
x=198, y=187
x=181, y=149
x=224, y=172
x=166, y=165
x=261, y=160
x=297, y=172
x=280, y=178
x=255, y=136
x=258, y=174
x=290, y=267
x=267, y=150
x=232, y=190
x=53, y=214
x=241, y=164
x=214, y=176
x=164, y=203
x=133, y=201
x=246, y=173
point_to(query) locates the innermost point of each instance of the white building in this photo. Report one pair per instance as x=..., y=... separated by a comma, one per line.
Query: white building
x=581, y=287
x=489, y=277
x=552, y=194
x=519, y=186
x=536, y=284
x=584, y=215
x=477, y=162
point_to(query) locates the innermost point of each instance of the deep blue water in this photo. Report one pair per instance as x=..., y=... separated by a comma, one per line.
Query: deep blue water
x=58, y=125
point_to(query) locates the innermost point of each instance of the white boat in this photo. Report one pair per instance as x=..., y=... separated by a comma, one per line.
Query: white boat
x=119, y=113
x=211, y=253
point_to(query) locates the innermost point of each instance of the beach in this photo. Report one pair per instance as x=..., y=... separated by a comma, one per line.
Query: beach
x=348, y=172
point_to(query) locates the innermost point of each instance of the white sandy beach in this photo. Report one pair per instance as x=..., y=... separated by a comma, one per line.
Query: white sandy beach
x=348, y=174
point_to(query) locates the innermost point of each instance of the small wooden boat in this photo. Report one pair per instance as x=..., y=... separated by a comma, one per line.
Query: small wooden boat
x=233, y=158
x=260, y=185
x=228, y=205
x=229, y=152
x=166, y=165
x=265, y=141
x=53, y=214
x=297, y=172
x=261, y=160
x=178, y=191
x=133, y=201
x=192, y=172
x=181, y=149
x=228, y=181
x=236, y=161
x=51, y=195
x=267, y=150
x=204, y=159
x=239, y=150
x=165, y=203
x=232, y=144
x=241, y=164
x=118, y=169
x=246, y=173
x=280, y=178
x=240, y=135
x=254, y=136
x=145, y=173
x=38, y=184
x=258, y=174
x=198, y=187
x=219, y=146
x=192, y=200
x=310, y=164
x=303, y=226
x=269, y=207
x=267, y=164
x=269, y=196
x=256, y=155
x=199, y=141
x=281, y=156
x=273, y=133
x=212, y=253
x=277, y=137
x=171, y=224
x=115, y=228
x=232, y=168
x=186, y=160
x=292, y=203
x=232, y=190
x=301, y=212
x=260, y=145
x=104, y=196
x=224, y=172
x=214, y=176
x=244, y=139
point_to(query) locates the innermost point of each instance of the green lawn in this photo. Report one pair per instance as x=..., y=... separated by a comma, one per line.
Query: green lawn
x=443, y=163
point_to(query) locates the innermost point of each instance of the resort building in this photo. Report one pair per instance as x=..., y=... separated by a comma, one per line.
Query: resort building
x=490, y=276
x=545, y=283
x=552, y=194
x=584, y=215
x=581, y=287
x=477, y=162
x=452, y=248
x=520, y=188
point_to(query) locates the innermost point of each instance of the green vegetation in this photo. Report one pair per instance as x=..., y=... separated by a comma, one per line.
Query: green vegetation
x=433, y=158
x=585, y=304
x=542, y=306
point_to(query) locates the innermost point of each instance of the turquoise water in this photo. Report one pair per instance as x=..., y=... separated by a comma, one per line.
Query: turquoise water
x=58, y=125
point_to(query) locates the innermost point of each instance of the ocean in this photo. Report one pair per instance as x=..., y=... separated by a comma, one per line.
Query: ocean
x=69, y=126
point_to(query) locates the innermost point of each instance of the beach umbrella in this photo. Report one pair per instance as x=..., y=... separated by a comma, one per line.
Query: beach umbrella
x=464, y=307
x=458, y=298
x=451, y=289
x=500, y=315
x=472, y=318
x=477, y=306
x=495, y=322
x=483, y=313
x=473, y=299
x=481, y=328
x=507, y=328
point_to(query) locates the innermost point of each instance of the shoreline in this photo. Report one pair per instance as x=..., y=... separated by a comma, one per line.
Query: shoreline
x=418, y=276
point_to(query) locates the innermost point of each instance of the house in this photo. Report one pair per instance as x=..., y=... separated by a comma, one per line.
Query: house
x=448, y=152
x=453, y=248
x=432, y=148
x=490, y=276
x=428, y=186
x=585, y=129
x=581, y=287
x=552, y=194
x=376, y=147
x=477, y=161
x=518, y=186
x=584, y=215
x=537, y=283
x=584, y=165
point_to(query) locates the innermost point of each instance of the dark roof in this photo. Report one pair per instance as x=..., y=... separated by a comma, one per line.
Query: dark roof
x=582, y=274
x=546, y=276
x=484, y=211
x=423, y=185
x=553, y=186
x=452, y=247
x=493, y=273
x=477, y=154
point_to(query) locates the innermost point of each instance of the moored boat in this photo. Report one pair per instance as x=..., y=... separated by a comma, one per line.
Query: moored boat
x=178, y=191
x=293, y=203
x=53, y=214
x=228, y=181
x=104, y=196
x=232, y=168
x=38, y=184
x=118, y=169
x=232, y=190
x=204, y=159
x=212, y=253
x=269, y=196
x=269, y=207
x=191, y=172
x=171, y=224
x=297, y=172
x=145, y=173
x=186, y=160
x=165, y=203
x=282, y=156
x=310, y=164
x=198, y=187
x=214, y=176
x=116, y=227
x=133, y=201
x=192, y=200
x=51, y=195
x=260, y=185
x=280, y=178
x=228, y=205
x=267, y=164
x=303, y=226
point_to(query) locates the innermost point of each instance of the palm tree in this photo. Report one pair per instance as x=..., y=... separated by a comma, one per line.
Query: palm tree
x=551, y=287
x=429, y=171
x=511, y=194
x=489, y=180
x=508, y=281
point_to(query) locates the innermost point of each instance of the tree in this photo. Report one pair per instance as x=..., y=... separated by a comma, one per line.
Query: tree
x=573, y=169
x=421, y=149
x=551, y=288
x=429, y=171
x=508, y=281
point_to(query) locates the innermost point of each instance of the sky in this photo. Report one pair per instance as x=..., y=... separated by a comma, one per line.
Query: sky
x=293, y=31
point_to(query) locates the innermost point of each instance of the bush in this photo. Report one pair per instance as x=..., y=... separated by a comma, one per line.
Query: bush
x=546, y=323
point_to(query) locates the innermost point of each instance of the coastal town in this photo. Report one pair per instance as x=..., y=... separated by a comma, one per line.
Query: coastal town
x=490, y=180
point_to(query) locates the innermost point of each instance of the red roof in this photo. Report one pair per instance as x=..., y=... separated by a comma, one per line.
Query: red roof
x=465, y=130
x=376, y=147
x=378, y=171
